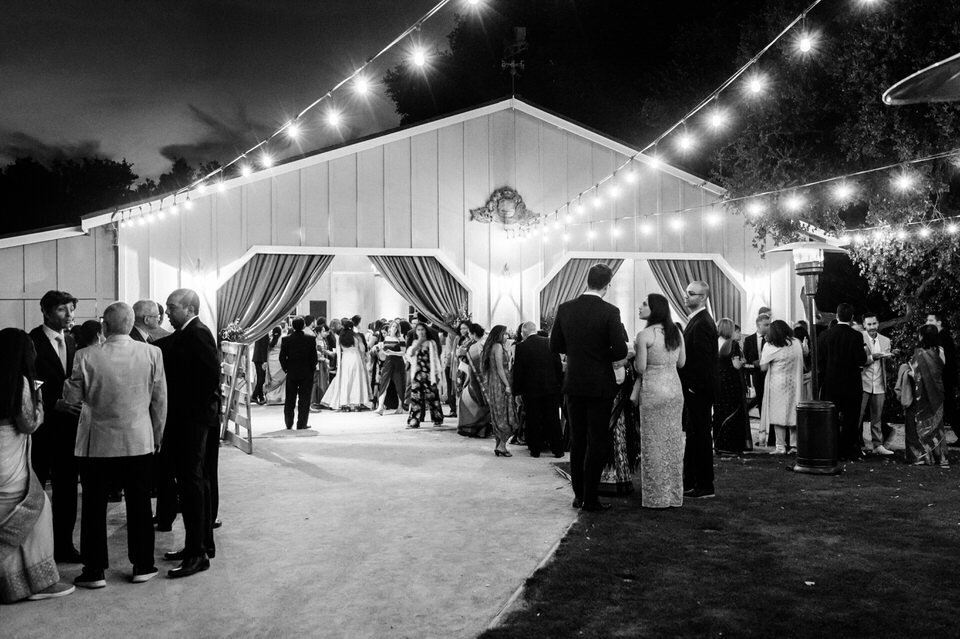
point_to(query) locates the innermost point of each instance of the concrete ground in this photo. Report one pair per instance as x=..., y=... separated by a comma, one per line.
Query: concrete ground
x=356, y=528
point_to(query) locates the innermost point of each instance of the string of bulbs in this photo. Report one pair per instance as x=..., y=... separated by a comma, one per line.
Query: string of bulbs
x=292, y=129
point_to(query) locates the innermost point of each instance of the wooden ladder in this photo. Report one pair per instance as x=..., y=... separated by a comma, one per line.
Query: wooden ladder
x=235, y=388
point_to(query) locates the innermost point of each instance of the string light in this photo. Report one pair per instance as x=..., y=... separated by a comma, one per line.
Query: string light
x=924, y=232
x=266, y=161
x=419, y=57
x=597, y=201
x=677, y=223
x=615, y=230
x=805, y=42
x=843, y=191
x=188, y=205
x=174, y=209
x=952, y=228
x=333, y=118
x=221, y=187
x=755, y=208
x=686, y=142
x=361, y=85
x=755, y=85
x=630, y=176
x=717, y=119
x=245, y=170
x=903, y=182
x=793, y=203
x=614, y=191
x=591, y=234
x=712, y=218
x=293, y=131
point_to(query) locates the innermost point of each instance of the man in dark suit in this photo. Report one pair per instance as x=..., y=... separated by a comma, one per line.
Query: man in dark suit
x=193, y=378
x=538, y=379
x=948, y=351
x=589, y=332
x=752, y=349
x=842, y=355
x=52, y=443
x=298, y=359
x=700, y=378
x=261, y=349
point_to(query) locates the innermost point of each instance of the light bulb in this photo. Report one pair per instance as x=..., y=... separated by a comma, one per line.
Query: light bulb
x=245, y=170
x=712, y=218
x=361, y=85
x=566, y=237
x=676, y=223
x=174, y=209
x=597, y=201
x=805, y=43
x=614, y=191
x=646, y=228
x=754, y=208
x=686, y=141
x=142, y=221
x=188, y=205
x=793, y=203
x=591, y=234
x=266, y=161
x=717, y=119
x=221, y=187
x=903, y=181
x=924, y=232
x=901, y=234
x=202, y=189
x=615, y=231
x=654, y=161
x=952, y=228
x=419, y=57
x=293, y=131
x=843, y=191
x=630, y=176
x=579, y=209
x=756, y=84
x=333, y=118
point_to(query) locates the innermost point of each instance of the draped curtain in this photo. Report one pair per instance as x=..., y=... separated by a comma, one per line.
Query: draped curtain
x=266, y=289
x=425, y=283
x=570, y=282
x=674, y=275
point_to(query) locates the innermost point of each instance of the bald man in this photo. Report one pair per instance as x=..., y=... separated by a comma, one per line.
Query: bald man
x=124, y=405
x=193, y=377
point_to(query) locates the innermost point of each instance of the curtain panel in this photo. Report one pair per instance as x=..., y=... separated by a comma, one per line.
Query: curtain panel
x=569, y=283
x=266, y=289
x=426, y=284
x=674, y=275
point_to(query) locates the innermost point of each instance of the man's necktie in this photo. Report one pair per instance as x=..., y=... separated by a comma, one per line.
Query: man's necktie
x=62, y=352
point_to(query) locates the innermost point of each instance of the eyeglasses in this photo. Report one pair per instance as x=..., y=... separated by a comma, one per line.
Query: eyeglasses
x=691, y=294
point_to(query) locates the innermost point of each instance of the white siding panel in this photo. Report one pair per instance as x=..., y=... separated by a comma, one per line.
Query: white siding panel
x=286, y=209
x=396, y=194
x=370, y=222
x=424, y=190
x=453, y=212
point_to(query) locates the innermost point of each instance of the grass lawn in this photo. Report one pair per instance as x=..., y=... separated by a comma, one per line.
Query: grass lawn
x=870, y=553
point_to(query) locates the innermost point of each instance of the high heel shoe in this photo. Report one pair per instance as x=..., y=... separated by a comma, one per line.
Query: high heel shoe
x=502, y=453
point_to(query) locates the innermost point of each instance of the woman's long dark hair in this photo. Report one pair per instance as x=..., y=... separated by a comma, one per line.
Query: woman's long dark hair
x=660, y=316
x=89, y=334
x=496, y=334
x=347, y=336
x=780, y=333
x=277, y=331
x=18, y=358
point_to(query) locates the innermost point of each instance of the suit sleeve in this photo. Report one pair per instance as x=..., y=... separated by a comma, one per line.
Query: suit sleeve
x=519, y=370
x=284, y=353
x=158, y=399
x=209, y=363
x=617, y=336
x=313, y=352
x=558, y=342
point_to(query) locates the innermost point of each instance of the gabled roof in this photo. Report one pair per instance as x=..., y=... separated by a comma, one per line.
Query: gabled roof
x=106, y=216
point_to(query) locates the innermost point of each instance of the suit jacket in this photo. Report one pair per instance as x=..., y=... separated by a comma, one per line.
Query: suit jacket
x=50, y=370
x=588, y=330
x=192, y=365
x=537, y=370
x=261, y=349
x=298, y=355
x=875, y=366
x=136, y=335
x=701, y=374
x=751, y=353
x=841, y=358
x=124, y=393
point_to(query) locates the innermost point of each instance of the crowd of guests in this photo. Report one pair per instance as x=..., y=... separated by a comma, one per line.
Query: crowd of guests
x=123, y=405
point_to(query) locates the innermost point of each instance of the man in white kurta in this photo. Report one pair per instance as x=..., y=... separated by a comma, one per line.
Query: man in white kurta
x=122, y=387
x=874, y=378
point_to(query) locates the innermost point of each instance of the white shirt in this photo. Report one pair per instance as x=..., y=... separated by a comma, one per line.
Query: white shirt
x=187, y=323
x=55, y=340
x=873, y=377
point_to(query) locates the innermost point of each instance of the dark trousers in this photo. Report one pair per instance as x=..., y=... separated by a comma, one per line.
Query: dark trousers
x=261, y=378
x=52, y=457
x=698, y=453
x=851, y=428
x=189, y=454
x=590, y=439
x=165, y=483
x=543, y=422
x=211, y=463
x=133, y=474
x=298, y=394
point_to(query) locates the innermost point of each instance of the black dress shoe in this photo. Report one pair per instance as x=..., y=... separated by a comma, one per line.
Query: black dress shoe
x=534, y=453
x=178, y=555
x=190, y=566
x=558, y=455
x=596, y=507
x=577, y=503
x=71, y=556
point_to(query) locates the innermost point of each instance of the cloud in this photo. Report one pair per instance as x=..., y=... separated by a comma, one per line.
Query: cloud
x=220, y=138
x=17, y=144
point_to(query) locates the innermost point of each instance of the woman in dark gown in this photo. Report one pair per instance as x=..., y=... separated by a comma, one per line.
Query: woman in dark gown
x=731, y=425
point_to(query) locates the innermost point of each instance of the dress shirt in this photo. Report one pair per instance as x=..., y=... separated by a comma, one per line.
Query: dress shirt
x=146, y=336
x=59, y=343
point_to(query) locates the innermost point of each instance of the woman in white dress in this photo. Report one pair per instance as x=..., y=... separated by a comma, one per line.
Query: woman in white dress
x=782, y=361
x=274, y=386
x=350, y=389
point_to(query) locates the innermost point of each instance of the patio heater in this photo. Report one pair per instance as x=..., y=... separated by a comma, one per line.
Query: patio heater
x=818, y=427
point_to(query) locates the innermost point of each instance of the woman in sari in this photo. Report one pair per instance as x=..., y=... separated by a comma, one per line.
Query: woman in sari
x=473, y=412
x=925, y=435
x=624, y=454
x=731, y=427
x=496, y=369
x=274, y=387
x=27, y=567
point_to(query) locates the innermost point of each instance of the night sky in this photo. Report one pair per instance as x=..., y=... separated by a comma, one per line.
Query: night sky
x=149, y=80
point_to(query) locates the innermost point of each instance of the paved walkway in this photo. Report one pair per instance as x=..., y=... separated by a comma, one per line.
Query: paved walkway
x=357, y=528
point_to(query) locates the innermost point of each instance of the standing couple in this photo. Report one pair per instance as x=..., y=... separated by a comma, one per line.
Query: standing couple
x=589, y=332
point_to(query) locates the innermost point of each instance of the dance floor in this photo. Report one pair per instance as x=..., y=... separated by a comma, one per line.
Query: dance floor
x=355, y=528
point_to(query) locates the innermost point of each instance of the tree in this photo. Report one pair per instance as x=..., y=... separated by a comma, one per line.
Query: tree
x=825, y=118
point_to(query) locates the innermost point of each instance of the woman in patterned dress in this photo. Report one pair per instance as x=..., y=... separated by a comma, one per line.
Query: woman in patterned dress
x=782, y=361
x=473, y=413
x=624, y=454
x=426, y=379
x=660, y=352
x=496, y=368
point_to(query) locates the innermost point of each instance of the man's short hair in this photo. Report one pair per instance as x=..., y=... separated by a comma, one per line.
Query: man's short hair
x=763, y=317
x=118, y=318
x=868, y=315
x=356, y=320
x=599, y=276
x=764, y=310
x=142, y=308
x=844, y=312
x=53, y=299
x=308, y=320
x=703, y=286
x=297, y=323
x=938, y=315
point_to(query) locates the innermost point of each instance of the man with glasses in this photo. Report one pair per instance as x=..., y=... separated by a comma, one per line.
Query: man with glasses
x=700, y=378
x=146, y=320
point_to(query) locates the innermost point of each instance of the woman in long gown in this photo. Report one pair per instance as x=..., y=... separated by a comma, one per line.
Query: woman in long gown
x=617, y=475
x=321, y=378
x=925, y=435
x=660, y=352
x=473, y=411
x=496, y=369
x=731, y=426
x=426, y=379
x=274, y=386
x=27, y=567
x=393, y=372
x=350, y=389
x=782, y=361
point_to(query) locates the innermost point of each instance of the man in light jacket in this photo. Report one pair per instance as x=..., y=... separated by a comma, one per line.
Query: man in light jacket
x=123, y=391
